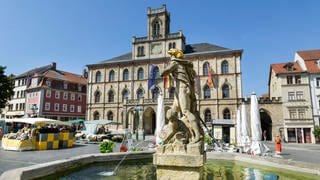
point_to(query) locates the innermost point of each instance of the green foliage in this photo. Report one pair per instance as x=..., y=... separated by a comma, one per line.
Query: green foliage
x=316, y=132
x=106, y=146
x=208, y=139
x=6, y=87
x=136, y=149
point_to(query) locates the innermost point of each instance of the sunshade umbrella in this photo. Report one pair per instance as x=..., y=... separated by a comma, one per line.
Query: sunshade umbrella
x=160, y=118
x=239, y=127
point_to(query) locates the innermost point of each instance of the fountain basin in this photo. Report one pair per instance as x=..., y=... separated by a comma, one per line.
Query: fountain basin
x=41, y=170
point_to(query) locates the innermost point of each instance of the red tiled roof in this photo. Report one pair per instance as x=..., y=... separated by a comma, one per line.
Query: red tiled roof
x=309, y=54
x=281, y=68
x=65, y=76
x=312, y=66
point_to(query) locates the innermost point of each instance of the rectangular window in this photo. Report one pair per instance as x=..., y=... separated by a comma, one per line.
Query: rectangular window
x=79, y=97
x=289, y=80
x=64, y=108
x=79, y=109
x=79, y=87
x=293, y=114
x=65, y=85
x=299, y=95
x=318, y=82
x=48, y=93
x=57, y=95
x=65, y=95
x=47, y=106
x=73, y=97
x=71, y=108
x=56, y=107
x=298, y=79
x=48, y=83
x=291, y=96
x=301, y=113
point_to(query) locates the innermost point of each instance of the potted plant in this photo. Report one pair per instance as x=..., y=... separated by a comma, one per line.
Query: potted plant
x=106, y=146
x=316, y=133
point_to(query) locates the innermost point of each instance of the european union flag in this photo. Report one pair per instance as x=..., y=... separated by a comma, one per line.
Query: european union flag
x=152, y=77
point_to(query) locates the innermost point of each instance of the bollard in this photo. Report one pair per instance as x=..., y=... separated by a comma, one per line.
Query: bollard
x=143, y=135
x=137, y=135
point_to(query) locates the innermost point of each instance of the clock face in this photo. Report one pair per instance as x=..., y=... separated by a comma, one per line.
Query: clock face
x=156, y=49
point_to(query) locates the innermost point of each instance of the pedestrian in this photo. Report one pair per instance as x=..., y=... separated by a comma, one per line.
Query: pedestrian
x=265, y=135
x=277, y=140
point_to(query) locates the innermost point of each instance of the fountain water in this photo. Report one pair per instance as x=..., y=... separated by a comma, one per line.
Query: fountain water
x=114, y=172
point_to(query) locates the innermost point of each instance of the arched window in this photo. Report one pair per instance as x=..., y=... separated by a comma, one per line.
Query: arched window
x=96, y=115
x=140, y=51
x=125, y=75
x=205, y=68
x=140, y=74
x=155, y=93
x=98, y=76
x=156, y=72
x=224, y=67
x=140, y=93
x=110, y=115
x=206, y=92
x=111, y=76
x=110, y=96
x=171, y=92
x=97, y=95
x=156, y=29
x=125, y=94
x=172, y=45
x=226, y=114
x=207, y=115
x=225, y=91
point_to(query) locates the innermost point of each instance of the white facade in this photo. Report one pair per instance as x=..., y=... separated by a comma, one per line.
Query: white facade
x=16, y=107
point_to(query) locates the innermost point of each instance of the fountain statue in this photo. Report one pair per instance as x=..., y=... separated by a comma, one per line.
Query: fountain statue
x=181, y=154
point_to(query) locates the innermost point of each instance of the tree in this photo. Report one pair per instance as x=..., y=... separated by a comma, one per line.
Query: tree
x=6, y=87
x=316, y=133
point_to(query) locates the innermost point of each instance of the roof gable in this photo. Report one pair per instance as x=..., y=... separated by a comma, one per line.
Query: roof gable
x=309, y=54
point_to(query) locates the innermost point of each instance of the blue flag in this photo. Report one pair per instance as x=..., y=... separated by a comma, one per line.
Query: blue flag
x=152, y=77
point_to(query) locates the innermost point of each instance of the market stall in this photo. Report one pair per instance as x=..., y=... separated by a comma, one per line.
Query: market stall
x=38, y=134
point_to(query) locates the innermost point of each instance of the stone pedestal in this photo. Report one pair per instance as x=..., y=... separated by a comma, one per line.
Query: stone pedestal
x=179, y=166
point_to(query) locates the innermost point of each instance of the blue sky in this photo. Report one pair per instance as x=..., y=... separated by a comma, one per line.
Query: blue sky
x=75, y=33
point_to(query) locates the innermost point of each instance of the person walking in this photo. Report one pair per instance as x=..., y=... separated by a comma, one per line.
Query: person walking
x=277, y=140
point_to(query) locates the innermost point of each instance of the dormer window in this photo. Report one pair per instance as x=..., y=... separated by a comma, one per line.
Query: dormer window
x=48, y=83
x=289, y=66
x=318, y=62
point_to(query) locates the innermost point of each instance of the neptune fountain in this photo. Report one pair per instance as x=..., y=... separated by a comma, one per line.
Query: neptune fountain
x=182, y=149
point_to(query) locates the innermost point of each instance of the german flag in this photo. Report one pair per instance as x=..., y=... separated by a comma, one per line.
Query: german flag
x=210, y=82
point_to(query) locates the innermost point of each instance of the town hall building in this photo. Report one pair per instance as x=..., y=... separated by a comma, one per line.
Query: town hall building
x=118, y=87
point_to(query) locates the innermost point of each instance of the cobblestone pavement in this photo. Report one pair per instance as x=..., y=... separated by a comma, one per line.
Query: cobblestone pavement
x=14, y=159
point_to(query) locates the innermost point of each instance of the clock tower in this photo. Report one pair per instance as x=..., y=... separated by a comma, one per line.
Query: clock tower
x=159, y=39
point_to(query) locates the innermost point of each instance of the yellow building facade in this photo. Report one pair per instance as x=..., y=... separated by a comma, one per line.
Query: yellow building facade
x=118, y=87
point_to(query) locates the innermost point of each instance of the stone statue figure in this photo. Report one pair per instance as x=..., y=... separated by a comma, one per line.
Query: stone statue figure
x=184, y=103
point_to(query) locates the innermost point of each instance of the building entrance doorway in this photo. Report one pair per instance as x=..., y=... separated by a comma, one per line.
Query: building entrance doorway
x=266, y=124
x=149, y=121
x=226, y=134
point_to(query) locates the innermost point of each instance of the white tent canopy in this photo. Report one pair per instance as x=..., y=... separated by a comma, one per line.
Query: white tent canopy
x=36, y=121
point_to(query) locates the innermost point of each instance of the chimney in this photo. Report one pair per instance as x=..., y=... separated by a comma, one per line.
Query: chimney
x=54, y=66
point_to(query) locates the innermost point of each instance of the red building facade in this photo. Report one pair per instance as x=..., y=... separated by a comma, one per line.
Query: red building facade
x=57, y=94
